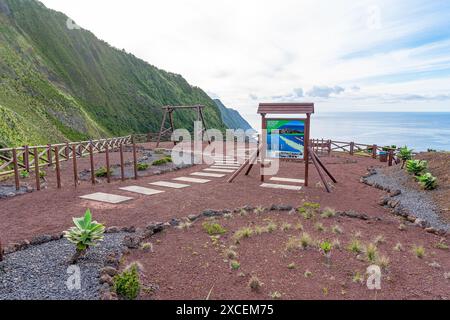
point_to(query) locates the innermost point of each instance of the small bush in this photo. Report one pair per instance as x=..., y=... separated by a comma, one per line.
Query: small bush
x=358, y=277
x=127, y=284
x=419, y=251
x=355, y=246
x=231, y=254
x=159, y=162
x=168, y=159
x=271, y=227
x=42, y=174
x=382, y=262
x=427, y=181
x=254, y=283
x=213, y=228
x=326, y=247
x=298, y=226
x=235, y=265
x=24, y=174
x=305, y=240
x=337, y=230
x=398, y=247
x=371, y=252
x=307, y=274
x=142, y=166
x=275, y=295
x=442, y=245
x=328, y=212
x=286, y=226
x=404, y=154
x=379, y=239
x=293, y=243
x=242, y=233
x=319, y=227
x=291, y=266
x=416, y=167
x=309, y=209
x=102, y=172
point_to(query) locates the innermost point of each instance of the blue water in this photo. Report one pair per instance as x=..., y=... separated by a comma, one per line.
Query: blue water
x=417, y=130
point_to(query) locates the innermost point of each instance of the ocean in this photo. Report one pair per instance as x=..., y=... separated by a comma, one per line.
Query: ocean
x=417, y=130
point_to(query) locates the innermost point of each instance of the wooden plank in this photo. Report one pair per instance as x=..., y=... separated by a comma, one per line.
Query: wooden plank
x=75, y=169
x=16, y=169
x=91, y=156
x=36, y=169
x=108, y=174
x=122, y=166
x=135, y=161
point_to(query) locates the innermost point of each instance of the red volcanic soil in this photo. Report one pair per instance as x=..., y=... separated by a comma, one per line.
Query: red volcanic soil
x=189, y=264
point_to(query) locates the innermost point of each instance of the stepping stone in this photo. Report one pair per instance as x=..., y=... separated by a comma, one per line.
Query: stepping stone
x=223, y=167
x=169, y=184
x=219, y=170
x=207, y=174
x=141, y=190
x=301, y=181
x=194, y=180
x=231, y=164
x=281, y=186
x=106, y=197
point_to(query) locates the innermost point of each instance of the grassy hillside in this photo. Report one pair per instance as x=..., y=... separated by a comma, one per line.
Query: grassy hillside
x=57, y=83
x=232, y=118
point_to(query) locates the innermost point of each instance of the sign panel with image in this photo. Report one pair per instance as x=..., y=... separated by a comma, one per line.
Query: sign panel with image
x=290, y=134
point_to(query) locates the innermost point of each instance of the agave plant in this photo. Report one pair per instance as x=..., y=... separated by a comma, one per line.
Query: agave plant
x=326, y=247
x=85, y=234
x=416, y=167
x=404, y=154
x=427, y=181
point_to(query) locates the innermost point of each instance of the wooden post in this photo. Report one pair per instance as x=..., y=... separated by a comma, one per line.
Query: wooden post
x=91, y=156
x=352, y=148
x=374, y=151
x=122, y=168
x=36, y=169
x=49, y=155
x=263, y=152
x=329, y=147
x=134, y=159
x=172, y=124
x=75, y=169
x=16, y=169
x=162, y=128
x=108, y=175
x=67, y=151
x=306, y=148
x=390, y=157
x=26, y=158
x=58, y=169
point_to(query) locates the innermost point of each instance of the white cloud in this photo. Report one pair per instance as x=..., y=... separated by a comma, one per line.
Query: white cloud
x=247, y=51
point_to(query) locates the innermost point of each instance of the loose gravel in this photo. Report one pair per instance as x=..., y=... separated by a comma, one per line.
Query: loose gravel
x=419, y=203
x=41, y=272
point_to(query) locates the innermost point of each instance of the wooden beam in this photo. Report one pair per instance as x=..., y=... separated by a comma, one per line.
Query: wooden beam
x=36, y=169
x=16, y=169
x=75, y=169
x=58, y=169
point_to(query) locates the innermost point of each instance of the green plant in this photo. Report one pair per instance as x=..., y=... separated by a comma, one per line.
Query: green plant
x=286, y=226
x=42, y=174
x=442, y=245
x=293, y=243
x=355, y=246
x=24, y=174
x=309, y=209
x=127, y=284
x=147, y=246
x=357, y=277
x=85, y=234
x=305, y=240
x=159, y=162
x=326, y=247
x=102, y=172
x=383, y=262
x=419, y=251
x=404, y=154
x=142, y=166
x=271, y=227
x=416, y=167
x=254, y=283
x=213, y=228
x=319, y=227
x=242, y=233
x=259, y=210
x=235, y=265
x=427, y=181
x=168, y=159
x=371, y=252
x=328, y=212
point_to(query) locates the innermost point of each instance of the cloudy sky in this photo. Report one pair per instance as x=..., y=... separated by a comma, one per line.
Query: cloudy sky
x=344, y=55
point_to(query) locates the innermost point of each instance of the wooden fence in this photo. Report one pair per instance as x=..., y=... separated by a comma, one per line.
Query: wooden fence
x=32, y=158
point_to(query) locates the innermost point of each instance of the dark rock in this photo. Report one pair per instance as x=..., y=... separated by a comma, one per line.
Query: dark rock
x=131, y=229
x=106, y=279
x=281, y=207
x=174, y=222
x=112, y=260
x=131, y=242
x=112, y=230
x=110, y=271
x=58, y=236
x=395, y=193
x=41, y=239
x=212, y=213
x=353, y=214
x=383, y=201
x=193, y=217
x=155, y=227
x=411, y=219
x=421, y=223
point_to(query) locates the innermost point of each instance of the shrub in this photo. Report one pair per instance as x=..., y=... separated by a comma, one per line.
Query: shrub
x=355, y=246
x=235, y=265
x=102, y=172
x=336, y=229
x=427, y=181
x=286, y=226
x=213, y=228
x=309, y=209
x=358, y=277
x=24, y=174
x=159, y=162
x=398, y=247
x=305, y=240
x=326, y=247
x=319, y=227
x=371, y=252
x=242, y=233
x=298, y=226
x=383, y=262
x=416, y=167
x=291, y=266
x=379, y=239
x=275, y=295
x=231, y=254
x=328, y=212
x=271, y=227
x=127, y=284
x=404, y=154
x=254, y=283
x=442, y=245
x=419, y=251
x=142, y=166
x=85, y=234
x=307, y=274
x=293, y=243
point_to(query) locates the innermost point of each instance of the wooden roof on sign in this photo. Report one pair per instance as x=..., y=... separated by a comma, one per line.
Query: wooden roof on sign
x=286, y=108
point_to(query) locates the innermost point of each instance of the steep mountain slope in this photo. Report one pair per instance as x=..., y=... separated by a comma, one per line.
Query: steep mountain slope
x=231, y=117
x=59, y=83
